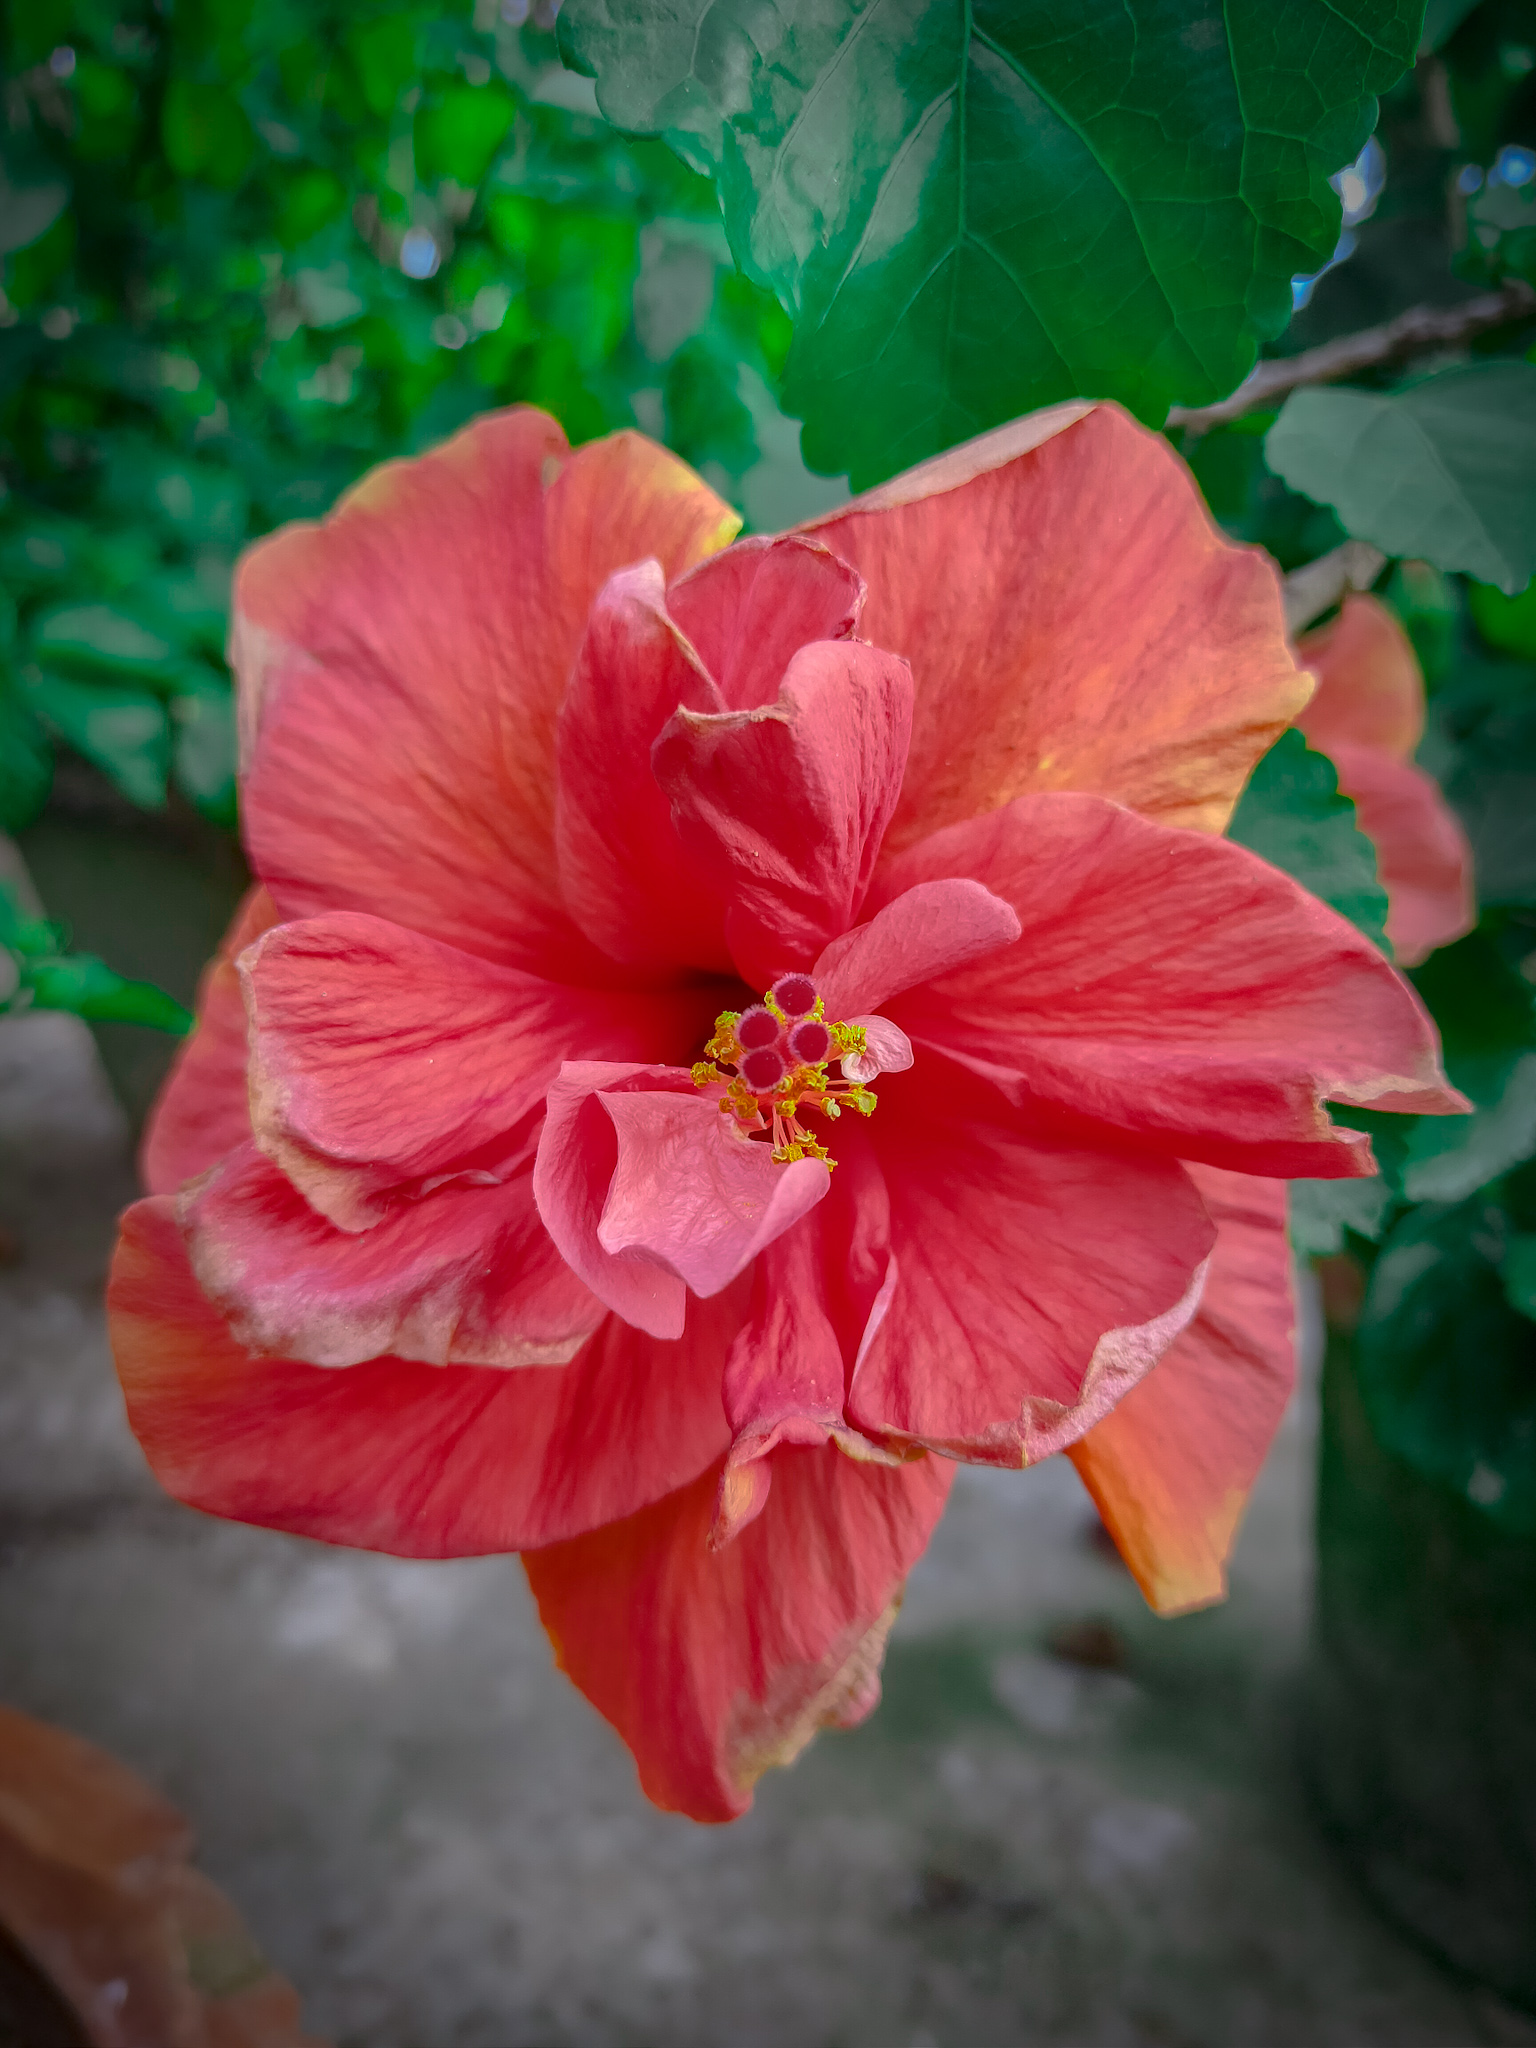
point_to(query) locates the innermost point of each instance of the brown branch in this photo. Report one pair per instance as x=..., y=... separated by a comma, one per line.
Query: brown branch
x=1414, y=333
x=1317, y=586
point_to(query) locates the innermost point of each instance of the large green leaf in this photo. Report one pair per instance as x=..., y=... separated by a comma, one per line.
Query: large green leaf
x=1292, y=815
x=1441, y=470
x=1487, y=1025
x=1447, y=1365
x=975, y=207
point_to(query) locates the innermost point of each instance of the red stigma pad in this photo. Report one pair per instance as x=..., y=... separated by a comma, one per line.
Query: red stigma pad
x=795, y=994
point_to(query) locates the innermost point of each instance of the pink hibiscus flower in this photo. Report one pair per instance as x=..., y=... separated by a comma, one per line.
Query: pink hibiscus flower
x=1368, y=716
x=726, y=1032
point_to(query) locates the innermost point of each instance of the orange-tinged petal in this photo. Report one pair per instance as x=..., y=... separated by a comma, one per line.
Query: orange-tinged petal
x=1422, y=854
x=1370, y=689
x=202, y=1111
x=716, y=1664
x=1170, y=1468
x=1074, y=620
x=401, y=666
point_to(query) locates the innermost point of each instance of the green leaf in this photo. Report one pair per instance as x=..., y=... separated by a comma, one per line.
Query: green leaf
x=1520, y=1274
x=87, y=987
x=103, y=639
x=206, y=132
x=1489, y=777
x=205, y=748
x=123, y=730
x=1322, y=1212
x=1487, y=1022
x=1293, y=816
x=26, y=761
x=1508, y=623
x=27, y=212
x=459, y=132
x=971, y=211
x=1441, y=470
x=1447, y=1367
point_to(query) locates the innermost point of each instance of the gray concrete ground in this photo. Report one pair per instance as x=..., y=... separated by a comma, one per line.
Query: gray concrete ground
x=445, y=1848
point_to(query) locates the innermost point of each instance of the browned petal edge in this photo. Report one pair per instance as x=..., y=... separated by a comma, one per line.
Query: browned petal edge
x=764, y=1736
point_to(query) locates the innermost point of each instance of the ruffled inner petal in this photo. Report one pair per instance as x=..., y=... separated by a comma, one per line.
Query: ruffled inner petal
x=930, y=929
x=750, y=609
x=623, y=875
x=382, y=1060
x=783, y=808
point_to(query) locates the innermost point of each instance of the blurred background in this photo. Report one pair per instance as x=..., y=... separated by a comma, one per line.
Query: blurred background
x=252, y=247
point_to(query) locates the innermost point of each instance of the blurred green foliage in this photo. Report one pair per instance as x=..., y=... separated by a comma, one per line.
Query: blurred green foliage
x=38, y=972
x=256, y=246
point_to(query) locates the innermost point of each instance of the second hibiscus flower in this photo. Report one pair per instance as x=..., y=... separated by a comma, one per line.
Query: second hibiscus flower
x=728, y=1031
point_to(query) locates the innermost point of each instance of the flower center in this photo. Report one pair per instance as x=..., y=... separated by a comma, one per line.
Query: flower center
x=770, y=1062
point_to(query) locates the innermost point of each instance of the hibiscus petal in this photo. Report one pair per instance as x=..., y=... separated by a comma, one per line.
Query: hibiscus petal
x=692, y=1196
x=624, y=877
x=783, y=808
x=1370, y=688
x=421, y=1460
x=466, y=1276
x=715, y=1665
x=381, y=1058
x=1059, y=587
x=1037, y=1281
x=930, y=929
x=401, y=666
x=578, y=1152
x=783, y=1377
x=887, y=1050
x=203, y=1110
x=818, y=1295
x=1422, y=855
x=1173, y=986
x=649, y=1195
x=750, y=609
x=1170, y=1468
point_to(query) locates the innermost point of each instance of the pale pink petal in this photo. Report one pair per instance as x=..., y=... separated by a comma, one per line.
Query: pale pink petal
x=578, y=1152
x=930, y=929
x=691, y=1195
